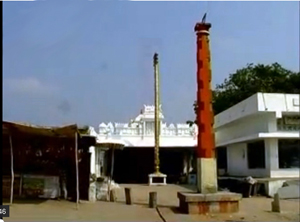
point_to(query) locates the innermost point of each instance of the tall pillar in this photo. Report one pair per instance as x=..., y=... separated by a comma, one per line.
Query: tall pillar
x=93, y=162
x=272, y=160
x=206, y=162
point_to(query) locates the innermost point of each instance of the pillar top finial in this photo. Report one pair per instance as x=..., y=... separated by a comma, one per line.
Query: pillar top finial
x=201, y=26
x=155, y=58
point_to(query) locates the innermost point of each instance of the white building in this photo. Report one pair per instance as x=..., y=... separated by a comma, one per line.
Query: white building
x=262, y=137
x=136, y=161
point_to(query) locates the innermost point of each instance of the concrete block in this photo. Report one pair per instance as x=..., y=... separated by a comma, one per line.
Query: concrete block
x=289, y=192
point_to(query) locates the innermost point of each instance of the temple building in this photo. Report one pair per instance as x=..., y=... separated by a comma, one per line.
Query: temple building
x=135, y=162
x=260, y=137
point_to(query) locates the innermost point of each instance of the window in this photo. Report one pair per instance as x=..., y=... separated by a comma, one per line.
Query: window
x=221, y=154
x=289, y=153
x=256, y=155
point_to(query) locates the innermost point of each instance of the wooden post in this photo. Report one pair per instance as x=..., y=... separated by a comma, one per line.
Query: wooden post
x=152, y=199
x=128, y=196
x=113, y=197
x=21, y=184
x=111, y=170
x=276, y=203
x=12, y=171
x=77, y=176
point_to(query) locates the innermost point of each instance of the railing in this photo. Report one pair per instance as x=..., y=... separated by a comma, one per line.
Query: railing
x=289, y=128
x=288, y=124
x=139, y=131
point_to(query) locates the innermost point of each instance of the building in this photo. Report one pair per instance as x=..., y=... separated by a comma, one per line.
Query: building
x=134, y=163
x=260, y=137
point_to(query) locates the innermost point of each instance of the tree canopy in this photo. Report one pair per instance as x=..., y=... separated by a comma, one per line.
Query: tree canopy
x=252, y=79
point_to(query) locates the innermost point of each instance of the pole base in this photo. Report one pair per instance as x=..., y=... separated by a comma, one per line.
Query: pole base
x=207, y=181
x=157, y=175
x=198, y=203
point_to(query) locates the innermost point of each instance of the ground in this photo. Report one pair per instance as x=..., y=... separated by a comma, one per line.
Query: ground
x=251, y=209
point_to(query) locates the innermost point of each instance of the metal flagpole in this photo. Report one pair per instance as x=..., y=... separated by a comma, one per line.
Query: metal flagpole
x=157, y=103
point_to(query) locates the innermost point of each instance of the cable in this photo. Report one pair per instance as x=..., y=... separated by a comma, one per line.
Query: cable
x=160, y=215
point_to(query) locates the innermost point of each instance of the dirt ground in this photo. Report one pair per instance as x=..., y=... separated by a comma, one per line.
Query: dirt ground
x=251, y=209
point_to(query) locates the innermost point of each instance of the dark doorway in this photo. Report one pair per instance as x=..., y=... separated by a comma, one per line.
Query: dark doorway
x=221, y=155
x=256, y=155
x=133, y=165
x=289, y=153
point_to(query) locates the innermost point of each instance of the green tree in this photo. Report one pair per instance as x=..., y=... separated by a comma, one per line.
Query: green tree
x=252, y=79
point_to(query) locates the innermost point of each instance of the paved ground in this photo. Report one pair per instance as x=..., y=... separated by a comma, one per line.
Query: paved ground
x=251, y=209
x=65, y=211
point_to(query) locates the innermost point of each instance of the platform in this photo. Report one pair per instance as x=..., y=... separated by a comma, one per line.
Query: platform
x=157, y=176
x=197, y=203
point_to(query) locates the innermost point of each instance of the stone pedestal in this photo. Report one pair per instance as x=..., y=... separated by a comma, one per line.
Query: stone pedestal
x=157, y=175
x=207, y=181
x=197, y=203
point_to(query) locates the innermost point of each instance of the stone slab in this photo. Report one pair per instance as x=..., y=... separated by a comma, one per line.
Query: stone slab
x=289, y=192
x=160, y=175
x=198, y=203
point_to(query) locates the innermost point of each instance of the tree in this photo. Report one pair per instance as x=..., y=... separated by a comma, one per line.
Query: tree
x=252, y=79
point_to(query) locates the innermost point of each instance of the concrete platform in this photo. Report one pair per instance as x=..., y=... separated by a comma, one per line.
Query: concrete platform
x=197, y=203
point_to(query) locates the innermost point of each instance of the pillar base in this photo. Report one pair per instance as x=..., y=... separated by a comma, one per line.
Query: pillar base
x=157, y=175
x=197, y=203
x=207, y=181
x=92, y=192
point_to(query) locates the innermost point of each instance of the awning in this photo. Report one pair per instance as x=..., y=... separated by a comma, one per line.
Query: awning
x=111, y=143
x=23, y=128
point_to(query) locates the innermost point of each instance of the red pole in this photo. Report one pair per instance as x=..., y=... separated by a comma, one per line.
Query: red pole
x=205, y=117
x=206, y=162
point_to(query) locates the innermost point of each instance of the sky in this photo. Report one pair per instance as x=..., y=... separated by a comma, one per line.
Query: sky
x=89, y=62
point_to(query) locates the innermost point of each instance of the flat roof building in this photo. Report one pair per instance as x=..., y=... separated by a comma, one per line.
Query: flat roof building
x=261, y=137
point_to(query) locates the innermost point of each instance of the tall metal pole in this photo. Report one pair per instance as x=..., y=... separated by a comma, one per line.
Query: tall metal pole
x=157, y=112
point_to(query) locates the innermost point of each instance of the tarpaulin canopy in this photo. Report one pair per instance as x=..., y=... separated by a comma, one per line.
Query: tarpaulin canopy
x=24, y=128
x=44, y=144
